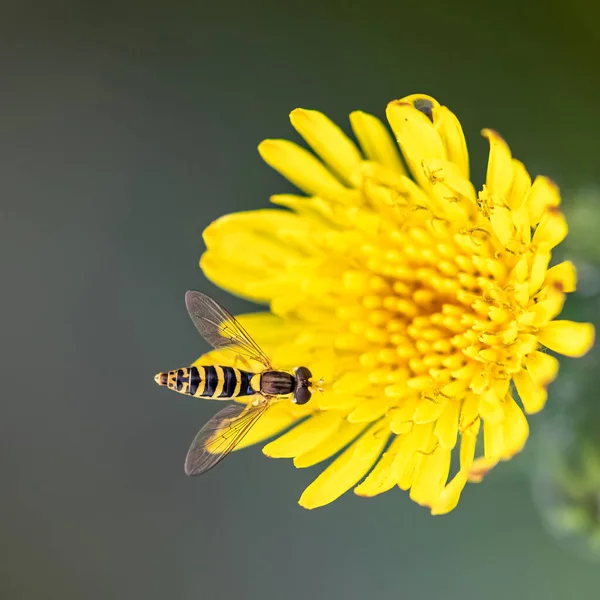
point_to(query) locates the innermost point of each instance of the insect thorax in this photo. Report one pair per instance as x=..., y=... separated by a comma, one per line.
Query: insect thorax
x=277, y=383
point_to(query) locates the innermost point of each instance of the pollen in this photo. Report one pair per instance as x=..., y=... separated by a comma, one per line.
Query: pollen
x=423, y=298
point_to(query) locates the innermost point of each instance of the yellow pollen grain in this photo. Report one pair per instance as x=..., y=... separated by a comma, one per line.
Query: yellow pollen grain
x=350, y=312
x=372, y=302
x=401, y=288
x=379, y=317
x=357, y=327
x=379, y=376
x=376, y=335
x=465, y=263
x=448, y=268
x=394, y=325
x=443, y=346
x=387, y=356
x=407, y=308
x=406, y=350
x=417, y=366
x=378, y=284
x=424, y=297
x=369, y=360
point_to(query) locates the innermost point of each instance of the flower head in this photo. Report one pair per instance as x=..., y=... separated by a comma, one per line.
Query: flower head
x=421, y=297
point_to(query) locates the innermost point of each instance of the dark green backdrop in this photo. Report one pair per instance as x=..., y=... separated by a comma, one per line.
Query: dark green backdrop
x=125, y=128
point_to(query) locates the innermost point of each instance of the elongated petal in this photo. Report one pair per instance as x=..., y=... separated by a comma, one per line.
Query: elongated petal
x=564, y=275
x=500, y=167
x=567, y=337
x=481, y=467
x=383, y=477
x=346, y=470
x=418, y=139
x=277, y=418
x=552, y=229
x=304, y=437
x=532, y=394
x=542, y=367
x=330, y=446
x=453, y=138
x=515, y=427
x=431, y=477
x=376, y=142
x=450, y=495
x=543, y=194
x=328, y=141
x=301, y=167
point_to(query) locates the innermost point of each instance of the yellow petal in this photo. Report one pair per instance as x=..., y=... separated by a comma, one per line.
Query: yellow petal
x=542, y=367
x=305, y=436
x=428, y=411
x=259, y=231
x=501, y=220
x=469, y=411
x=277, y=418
x=520, y=187
x=346, y=470
x=468, y=443
x=451, y=494
x=451, y=133
x=543, y=194
x=332, y=445
x=446, y=427
x=226, y=275
x=300, y=167
x=549, y=308
x=491, y=407
x=552, y=229
x=369, y=409
x=408, y=471
x=431, y=477
x=532, y=394
x=500, y=166
x=328, y=141
x=383, y=477
x=567, y=337
x=538, y=270
x=337, y=401
x=480, y=468
x=351, y=382
x=493, y=440
x=376, y=142
x=402, y=418
x=418, y=139
x=515, y=427
x=408, y=458
x=563, y=275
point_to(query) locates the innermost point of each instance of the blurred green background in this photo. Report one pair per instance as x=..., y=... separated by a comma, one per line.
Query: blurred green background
x=125, y=128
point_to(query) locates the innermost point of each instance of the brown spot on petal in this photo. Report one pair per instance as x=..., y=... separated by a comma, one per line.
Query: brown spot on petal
x=425, y=106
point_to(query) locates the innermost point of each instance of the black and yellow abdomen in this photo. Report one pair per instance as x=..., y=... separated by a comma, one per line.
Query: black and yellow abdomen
x=216, y=382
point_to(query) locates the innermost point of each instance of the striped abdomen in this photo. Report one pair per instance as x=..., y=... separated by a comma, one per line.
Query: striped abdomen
x=208, y=382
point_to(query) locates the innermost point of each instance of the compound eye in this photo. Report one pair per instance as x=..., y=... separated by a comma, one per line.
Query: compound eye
x=302, y=395
x=303, y=373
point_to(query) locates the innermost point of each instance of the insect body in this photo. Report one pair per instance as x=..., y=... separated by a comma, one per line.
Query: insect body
x=230, y=425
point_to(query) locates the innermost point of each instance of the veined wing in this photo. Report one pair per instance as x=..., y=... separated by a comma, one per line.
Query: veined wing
x=221, y=435
x=221, y=329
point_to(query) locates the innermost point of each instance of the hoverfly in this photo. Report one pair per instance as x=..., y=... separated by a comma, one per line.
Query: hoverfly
x=229, y=426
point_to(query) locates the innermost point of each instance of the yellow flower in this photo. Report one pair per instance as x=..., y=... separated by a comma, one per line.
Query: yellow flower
x=433, y=296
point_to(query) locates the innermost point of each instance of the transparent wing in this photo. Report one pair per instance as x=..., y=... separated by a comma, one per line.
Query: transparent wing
x=221, y=435
x=220, y=329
